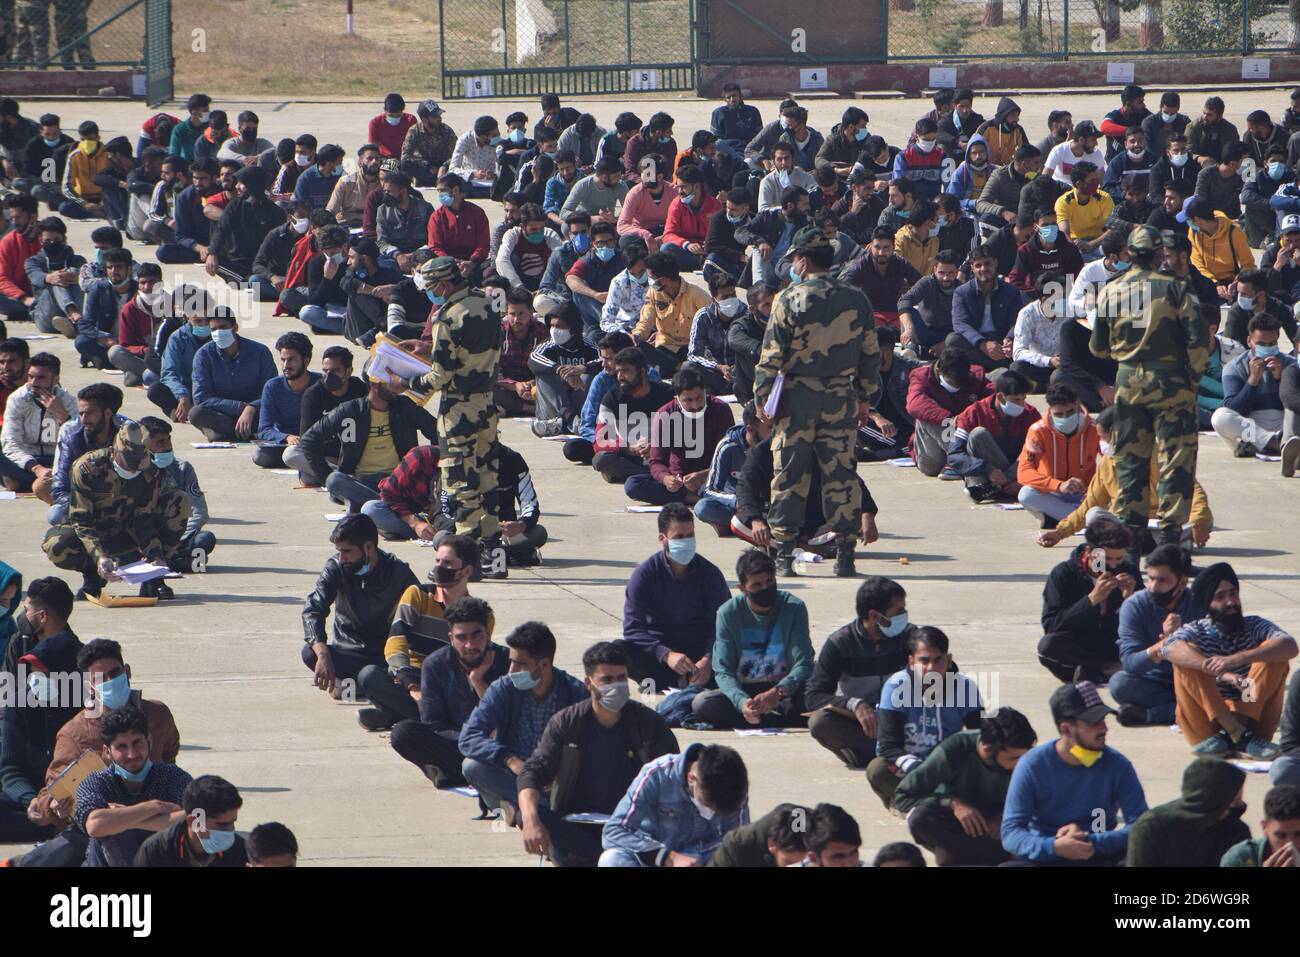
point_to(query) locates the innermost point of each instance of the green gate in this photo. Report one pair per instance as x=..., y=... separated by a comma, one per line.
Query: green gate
x=523, y=48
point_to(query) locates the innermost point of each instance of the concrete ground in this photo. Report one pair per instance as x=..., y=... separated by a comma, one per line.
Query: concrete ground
x=224, y=655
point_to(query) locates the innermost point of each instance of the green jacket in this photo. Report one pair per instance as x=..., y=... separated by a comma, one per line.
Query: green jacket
x=1190, y=831
x=954, y=769
x=746, y=846
x=1249, y=853
x=739, y=630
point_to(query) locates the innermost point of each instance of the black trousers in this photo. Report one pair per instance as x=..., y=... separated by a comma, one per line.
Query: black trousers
x=1085, y=387
x=579, y=450
x=618, y=467
x=843, y=737
x=347, y=663
x=384, y=692
x=937, y=829
x=642, y=666
x=1061, y=653
x=572, y=844
x=420, y=744
x=15, y=828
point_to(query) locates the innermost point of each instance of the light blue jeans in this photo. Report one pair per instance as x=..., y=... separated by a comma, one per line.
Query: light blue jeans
x=1055, y=505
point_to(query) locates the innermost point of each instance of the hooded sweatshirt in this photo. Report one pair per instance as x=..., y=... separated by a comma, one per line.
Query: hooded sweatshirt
x=967, y=183
x=8, y=626
x=1191, y=831
x=1050, y=458
x=1104, y=488
x=925, y=170
x=1003, y=138
x=1223, y=253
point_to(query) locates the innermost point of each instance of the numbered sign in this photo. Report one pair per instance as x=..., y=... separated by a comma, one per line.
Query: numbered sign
x=1119, y=72
x=943, y=77
x=814, y=79
x=645, y=79
x=1255, y=68
x=478, y=86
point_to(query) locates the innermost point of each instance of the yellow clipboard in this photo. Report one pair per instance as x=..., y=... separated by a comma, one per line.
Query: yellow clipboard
x=383, y=344
x=105, y=600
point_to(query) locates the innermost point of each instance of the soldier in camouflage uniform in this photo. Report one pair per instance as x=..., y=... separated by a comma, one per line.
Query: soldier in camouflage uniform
x=1151, y=323
x=122, y=509
x=822, y=337
x=33, y=41
x=465, y=349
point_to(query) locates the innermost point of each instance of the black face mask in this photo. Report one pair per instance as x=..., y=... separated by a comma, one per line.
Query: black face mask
x=1164, y=598
x=444, y=575
x=1235, y=811
x=390, y=200
x=54, y=249
x=333, y=381
x=764, y=597
x=248, y=134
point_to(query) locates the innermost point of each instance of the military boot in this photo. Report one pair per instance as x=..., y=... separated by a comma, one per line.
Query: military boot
x=844, y=559
x=783, y=554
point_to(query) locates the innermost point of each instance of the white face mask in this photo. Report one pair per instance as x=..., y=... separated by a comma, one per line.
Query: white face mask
x=126, y=474
x=731, y=307
x=706, y=812
x=694, y=416
x=301, y=160
x=925, y=145
x=561, y=336
x=148, y=300
x=1246, y=302
x=1178, y=159
x=948, y=386
x=420, y=282
x=300, y=226
x=1107, y=448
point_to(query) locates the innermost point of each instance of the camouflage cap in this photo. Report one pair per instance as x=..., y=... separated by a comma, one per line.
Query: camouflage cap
x=390, y=165
x=132, y=443
x=440, y=269
x=809, y=239
x=1143, y=239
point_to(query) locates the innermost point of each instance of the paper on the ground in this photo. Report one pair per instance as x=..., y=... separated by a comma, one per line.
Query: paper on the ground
x=137, y=573
x=759, y=732
x=1268, y=458
x=464, y=792
x=523, y=420
x=774, y=397
x=562, y=437
x=37, y=338
x=6, y=494
x=482, y=182
x=803, y=556
x=727, y=398
x=588, y=817
x=212, y=445
x=293, y=472
x=261, y=444
x=390, y=360
x=904, y=463
x=1254, y=767
x=112, y=371
x=648, y=509
x=335, y=516
x=1011, y=506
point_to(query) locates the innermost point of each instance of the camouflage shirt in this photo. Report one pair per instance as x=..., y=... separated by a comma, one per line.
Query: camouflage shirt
x=823, y=329
x=1146, y=317
x=114, y=516
x=466, y=347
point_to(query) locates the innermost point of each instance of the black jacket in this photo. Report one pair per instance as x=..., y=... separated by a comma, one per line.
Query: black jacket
x=1041, y=192
x=33, y=160
x=318, y=400
x=170, y=848
x=239, y=233
x=446, y=697
x=720, y=241
x=1066, y=607
x=851, y=665
x=1222, y=193
x=557, y=759
x=754, y=489
x=363, y=605
x=405, y=417
x=1165, y=172
x=276, y=251
x=1077, y=360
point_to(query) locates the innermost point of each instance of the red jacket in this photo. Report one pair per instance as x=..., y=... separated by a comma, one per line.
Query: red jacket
x=463, y=235
x=135, y=328
x=929, y=401
x=1048, y=458
x=387, y=137
x=674, y=438
x=14, y=252
x=689, y=224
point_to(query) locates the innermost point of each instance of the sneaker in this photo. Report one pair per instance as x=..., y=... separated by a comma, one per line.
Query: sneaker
x=1219, y=745
x=1256, y=747
x=1290, y=456
x=435, y=775
x=64, y=326
x=509, y=814
x=948, y=475
x=543, y=428
x=982, y=494
x=157, y=589
x=91, y=586
x=492, y=559
x=527, y=560
x=372, y=719
x=784, y=555
x=1134, y=716
x=844, y=561
x=1244, y=450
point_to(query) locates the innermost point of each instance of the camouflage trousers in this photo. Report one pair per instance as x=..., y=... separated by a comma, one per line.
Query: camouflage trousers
x=1155, y=418
x=467, y=433
x=32, y=41
x=65, y=549
x=816, y=430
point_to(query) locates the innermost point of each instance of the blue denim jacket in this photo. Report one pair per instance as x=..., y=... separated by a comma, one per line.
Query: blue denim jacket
x=657, y=813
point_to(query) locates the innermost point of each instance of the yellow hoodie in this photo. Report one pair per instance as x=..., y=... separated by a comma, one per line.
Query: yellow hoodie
x=1105, y=486
x=1223, y=253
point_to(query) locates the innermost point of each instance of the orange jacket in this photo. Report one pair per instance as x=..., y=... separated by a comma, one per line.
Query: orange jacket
x=1048, y=459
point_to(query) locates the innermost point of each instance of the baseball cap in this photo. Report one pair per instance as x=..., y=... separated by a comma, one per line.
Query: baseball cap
x=1182, y=215
x=1290, y=224
x=1078, y=702
x=440, y=269
x=1086, y=128
x=1143, y=239
x=428, y=108
x=808, y=239
x=132, y=443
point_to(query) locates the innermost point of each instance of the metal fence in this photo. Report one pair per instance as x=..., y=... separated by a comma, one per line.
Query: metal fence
x=527, y=47
x=53, y=34
x=1060, y=29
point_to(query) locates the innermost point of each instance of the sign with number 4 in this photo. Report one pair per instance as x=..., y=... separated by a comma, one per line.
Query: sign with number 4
x=814, y=79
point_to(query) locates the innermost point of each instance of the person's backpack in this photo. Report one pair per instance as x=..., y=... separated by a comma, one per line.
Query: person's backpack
x=675, y=709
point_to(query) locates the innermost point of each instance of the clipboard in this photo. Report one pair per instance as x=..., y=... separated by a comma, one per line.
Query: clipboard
x=383, y=351
x=64, y=788
x=105, y=600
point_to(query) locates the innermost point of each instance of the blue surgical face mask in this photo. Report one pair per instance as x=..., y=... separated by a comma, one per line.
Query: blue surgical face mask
x=605, y=253
x=734, y=219
x=201, y=332
x=434, y=298
x=1012, y=409
x=163, y=459
x=516, y=136
x=138, y=776
x=51, y=143
x=524, y=680
x=795, y=278
x=897, y=625
x=1066, y=424
x=1277, y=170
x=99, y=257
x=114, y=693
x=1120, y=265
x=224, y=338
x=861, y=135
x=444, y=199
x=642, y=279
x=217, y=842
x=681, y=550
x=581, y=241
x=1267, y=352
x=393, y=120
x=535, y=238
x=1049, y=233
x=903, y=213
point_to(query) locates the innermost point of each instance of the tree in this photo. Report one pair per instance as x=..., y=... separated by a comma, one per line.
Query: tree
x=1152, y=35
x=992, y=13
x=1293, y=34
x=902, y=4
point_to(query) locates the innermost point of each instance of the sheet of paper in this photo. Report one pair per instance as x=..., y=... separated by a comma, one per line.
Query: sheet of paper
x=388, y=360
x=774, y=397
x=6, y=494
x=647, y=509
x=1268, y=458
x=464, y=792
x=293, y=472
x=588, y=817
x=137, y=573
x=1254, y=767
x=212, y=445
x=558, y=438
x=810, y=557
x=759, y=732
x=481, y=182
x=1011, y=506
x=729, y=399
x=37, y=338
x=903, y=463
x=335, y=516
